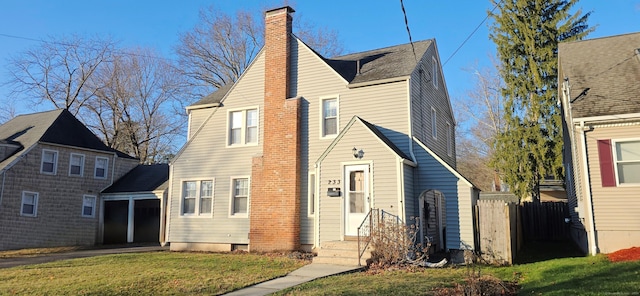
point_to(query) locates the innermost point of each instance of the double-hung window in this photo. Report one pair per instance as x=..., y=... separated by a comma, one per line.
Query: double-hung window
x=49, y=162
x=88, y=206
x=434, y=71
x=329, y=124
x=239, y=197
x=243, y=127
x=627, y=161
x=197, y=197
x=76, y=164
x=102, y=167
x=29, y=206
x=449, y=140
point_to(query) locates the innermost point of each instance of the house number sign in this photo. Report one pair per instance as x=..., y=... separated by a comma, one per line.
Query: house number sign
x=334, y=182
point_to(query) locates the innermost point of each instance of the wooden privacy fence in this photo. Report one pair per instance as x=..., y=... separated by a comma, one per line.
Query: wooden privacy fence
x=545, y=220
x=497, y=231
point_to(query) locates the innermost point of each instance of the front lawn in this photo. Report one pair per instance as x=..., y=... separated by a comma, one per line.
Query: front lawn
x=156, y=273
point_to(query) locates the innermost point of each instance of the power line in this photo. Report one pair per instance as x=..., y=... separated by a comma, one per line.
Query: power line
x=406, y=22
x=474, y=31
x=85, y=47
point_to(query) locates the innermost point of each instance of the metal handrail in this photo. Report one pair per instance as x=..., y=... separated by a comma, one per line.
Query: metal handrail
x=361, y=228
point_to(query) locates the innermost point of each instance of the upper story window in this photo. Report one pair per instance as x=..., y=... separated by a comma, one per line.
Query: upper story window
x=434, y=124
x=29, y=206
x=76, y=164
x=88, y=206
x=197, y=197
x=434, y=71
x=102, y=167
x=240, y=197
x=627, y=161
x=329, y=124
x=243, y=127
x=49, y=162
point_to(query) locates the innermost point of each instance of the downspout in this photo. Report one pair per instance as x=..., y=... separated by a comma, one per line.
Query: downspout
x=413, y=157
x=168, y=207
x=401, y=193
x=587, y=191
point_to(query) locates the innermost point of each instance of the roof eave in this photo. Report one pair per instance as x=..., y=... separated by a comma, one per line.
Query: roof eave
x=379, y=81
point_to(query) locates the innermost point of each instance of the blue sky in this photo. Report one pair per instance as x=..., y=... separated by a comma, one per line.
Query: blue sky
x=362, y=25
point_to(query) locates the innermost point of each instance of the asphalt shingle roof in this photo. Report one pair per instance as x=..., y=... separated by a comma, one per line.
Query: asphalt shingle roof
x=143, y=178
x=55, y=127
x=609, y=67
x=377, y=64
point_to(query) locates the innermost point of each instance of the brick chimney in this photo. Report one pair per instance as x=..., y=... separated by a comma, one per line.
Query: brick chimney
x=275, y=177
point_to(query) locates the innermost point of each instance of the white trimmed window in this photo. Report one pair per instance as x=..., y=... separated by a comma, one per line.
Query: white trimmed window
x=76, y=164
x=627, y=162
x=29, y=206
x=49, y=162
x=89, y=206
x=239, y=197
x=311, y=195
x=329, y=122
x=449, y=140
x=434, y=124
x=102, y=167
x=197, y=197
x=243, y=127
x=434, y=71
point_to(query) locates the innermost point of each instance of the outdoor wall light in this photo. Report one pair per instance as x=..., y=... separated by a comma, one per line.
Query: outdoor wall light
x=357, y=153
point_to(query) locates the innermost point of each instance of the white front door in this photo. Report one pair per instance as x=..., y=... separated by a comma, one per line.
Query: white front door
x=356, y=205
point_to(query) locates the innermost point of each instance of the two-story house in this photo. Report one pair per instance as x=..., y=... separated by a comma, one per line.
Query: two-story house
x=52, y=170
x=599, y=89
x=301, y=147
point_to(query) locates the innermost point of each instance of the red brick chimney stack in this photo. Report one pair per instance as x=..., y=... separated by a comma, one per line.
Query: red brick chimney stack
x=275, y=181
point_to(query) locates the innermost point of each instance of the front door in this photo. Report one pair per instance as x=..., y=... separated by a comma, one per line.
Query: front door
x=356, y=199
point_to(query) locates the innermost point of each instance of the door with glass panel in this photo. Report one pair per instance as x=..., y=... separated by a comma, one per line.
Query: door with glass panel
x=356, y=205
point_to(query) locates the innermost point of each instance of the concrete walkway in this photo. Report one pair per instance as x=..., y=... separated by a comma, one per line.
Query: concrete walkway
x=302, y=275
x=11, y=262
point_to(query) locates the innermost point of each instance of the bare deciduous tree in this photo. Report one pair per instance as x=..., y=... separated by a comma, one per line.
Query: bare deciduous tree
x=132, y=111
x=483, y=111
x=220, y=47
x=57, y=71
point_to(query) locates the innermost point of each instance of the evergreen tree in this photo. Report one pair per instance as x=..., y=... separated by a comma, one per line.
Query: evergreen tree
x=526, y=34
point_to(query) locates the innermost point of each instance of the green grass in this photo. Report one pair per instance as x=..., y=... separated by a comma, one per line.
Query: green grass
x=157, y=273
x=541, y=269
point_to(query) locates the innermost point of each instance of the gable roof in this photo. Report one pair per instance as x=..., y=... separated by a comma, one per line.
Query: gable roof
x=54, y=127
x=374, y=130
x=378, y=64
x=609, y=67
x=143, y=178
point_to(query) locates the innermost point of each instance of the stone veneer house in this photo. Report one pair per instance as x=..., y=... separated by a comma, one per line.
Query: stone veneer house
x=52, y=170
x=297, y=151
x=600, y=96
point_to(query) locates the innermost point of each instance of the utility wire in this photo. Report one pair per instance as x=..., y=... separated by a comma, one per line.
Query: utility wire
x=474, y=31
x=406, y=22
x=85, y=47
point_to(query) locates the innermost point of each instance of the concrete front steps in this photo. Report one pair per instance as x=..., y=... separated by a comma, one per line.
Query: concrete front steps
x=341, y=253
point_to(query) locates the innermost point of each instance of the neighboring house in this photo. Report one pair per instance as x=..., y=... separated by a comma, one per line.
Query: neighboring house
x=301, y=147
x=135, y=206
x=599, y=87
x=52, y=170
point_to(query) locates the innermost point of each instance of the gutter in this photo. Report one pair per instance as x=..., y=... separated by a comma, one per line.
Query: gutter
x=593, y=247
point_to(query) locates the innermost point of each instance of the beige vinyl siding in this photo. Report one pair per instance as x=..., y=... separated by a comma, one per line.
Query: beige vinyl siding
x=383, y=177
x=197, y=118
x=575, y=185
x=424, y=97
x=615, y=208
x=313, y=79
x=197, y=162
